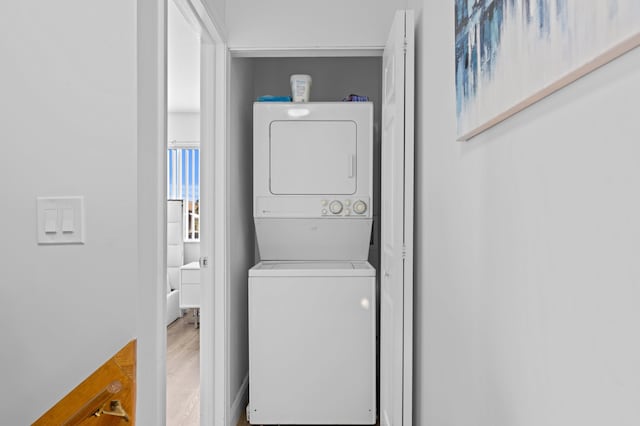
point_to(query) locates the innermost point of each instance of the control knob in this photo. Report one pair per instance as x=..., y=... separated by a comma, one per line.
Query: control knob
x=335, y=207
x=359, y=207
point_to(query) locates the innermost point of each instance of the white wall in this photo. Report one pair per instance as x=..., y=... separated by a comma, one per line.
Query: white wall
x=191, y=251
x=292, y=23
x=216, y=7
x=241, y=233
x=183, y=126
x=68, y=109
x=527, y=251
x=183, y=62
x=217, y=11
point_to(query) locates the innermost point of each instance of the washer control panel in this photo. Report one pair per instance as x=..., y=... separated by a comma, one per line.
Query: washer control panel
x=343, y=207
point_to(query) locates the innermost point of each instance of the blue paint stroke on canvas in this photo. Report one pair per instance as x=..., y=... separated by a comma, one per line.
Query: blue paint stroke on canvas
x=476, y=50
x=508, y=49
x=478, y=33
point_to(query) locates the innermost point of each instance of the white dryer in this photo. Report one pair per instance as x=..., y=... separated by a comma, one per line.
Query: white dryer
x=313, y=180
x=312, y=334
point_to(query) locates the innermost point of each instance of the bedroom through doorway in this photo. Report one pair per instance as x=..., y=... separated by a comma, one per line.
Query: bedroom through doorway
x=183, y=219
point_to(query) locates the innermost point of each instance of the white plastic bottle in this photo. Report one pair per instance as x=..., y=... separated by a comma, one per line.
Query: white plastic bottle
x=300, y=87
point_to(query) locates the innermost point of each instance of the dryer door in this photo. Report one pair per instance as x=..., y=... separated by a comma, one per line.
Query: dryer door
x=312, y=157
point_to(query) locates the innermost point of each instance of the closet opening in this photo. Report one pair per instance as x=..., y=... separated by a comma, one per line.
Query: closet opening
x=334, y=79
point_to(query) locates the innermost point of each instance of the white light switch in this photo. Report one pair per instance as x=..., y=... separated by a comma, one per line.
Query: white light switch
x=67, y=220
x=50, y=221
x=60, y=220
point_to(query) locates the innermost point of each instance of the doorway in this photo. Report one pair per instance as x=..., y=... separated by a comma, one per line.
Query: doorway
x=183, y=220
x=152, y=205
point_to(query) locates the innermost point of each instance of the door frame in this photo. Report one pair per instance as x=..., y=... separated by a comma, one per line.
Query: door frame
x=408, y=207
x=151, y=208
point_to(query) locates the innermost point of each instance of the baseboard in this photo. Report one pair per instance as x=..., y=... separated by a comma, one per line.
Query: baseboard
x=239, y=402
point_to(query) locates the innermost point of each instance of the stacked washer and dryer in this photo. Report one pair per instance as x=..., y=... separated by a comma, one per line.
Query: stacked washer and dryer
x=312, y=297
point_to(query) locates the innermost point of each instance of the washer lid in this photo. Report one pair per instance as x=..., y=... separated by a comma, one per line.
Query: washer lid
x=312, y=269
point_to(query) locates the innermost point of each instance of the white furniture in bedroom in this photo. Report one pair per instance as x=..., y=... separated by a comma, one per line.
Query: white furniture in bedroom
x=190, y=286
x=190, y=289
x=175, y=258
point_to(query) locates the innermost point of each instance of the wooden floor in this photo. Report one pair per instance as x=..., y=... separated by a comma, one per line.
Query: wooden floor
x=183, y=373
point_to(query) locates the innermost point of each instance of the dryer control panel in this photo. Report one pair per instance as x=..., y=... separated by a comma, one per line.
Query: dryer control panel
x=343, y=207
x=316, y=206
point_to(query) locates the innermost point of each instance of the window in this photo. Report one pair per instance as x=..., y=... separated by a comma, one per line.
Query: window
x=183, y=183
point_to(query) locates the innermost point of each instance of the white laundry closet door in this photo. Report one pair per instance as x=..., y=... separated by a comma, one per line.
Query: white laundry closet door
x=313, y=157
x=397, y=225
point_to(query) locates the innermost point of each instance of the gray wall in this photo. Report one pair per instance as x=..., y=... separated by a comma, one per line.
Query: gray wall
x=241, y=231
x=68, y=109
x=527, y=272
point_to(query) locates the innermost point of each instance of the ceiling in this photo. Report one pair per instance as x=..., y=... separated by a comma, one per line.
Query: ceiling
x=183, y=63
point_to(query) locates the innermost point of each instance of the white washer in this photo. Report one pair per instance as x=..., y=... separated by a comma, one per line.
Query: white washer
x=312, y=344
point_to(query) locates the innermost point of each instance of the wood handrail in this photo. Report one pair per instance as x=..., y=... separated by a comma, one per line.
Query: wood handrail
x=95, y=404
x=105, y=398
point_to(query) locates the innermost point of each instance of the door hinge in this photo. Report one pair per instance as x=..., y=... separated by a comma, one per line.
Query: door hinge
x=404, y=251
x=204, y=262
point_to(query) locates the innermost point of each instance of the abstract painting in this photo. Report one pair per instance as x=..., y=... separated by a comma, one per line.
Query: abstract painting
x=512, y=53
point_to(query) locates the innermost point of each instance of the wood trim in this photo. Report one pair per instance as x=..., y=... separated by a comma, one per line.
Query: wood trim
x=114, y=380
x=603, y=59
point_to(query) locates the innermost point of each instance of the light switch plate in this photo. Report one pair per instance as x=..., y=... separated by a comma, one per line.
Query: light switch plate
x=69, y=225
